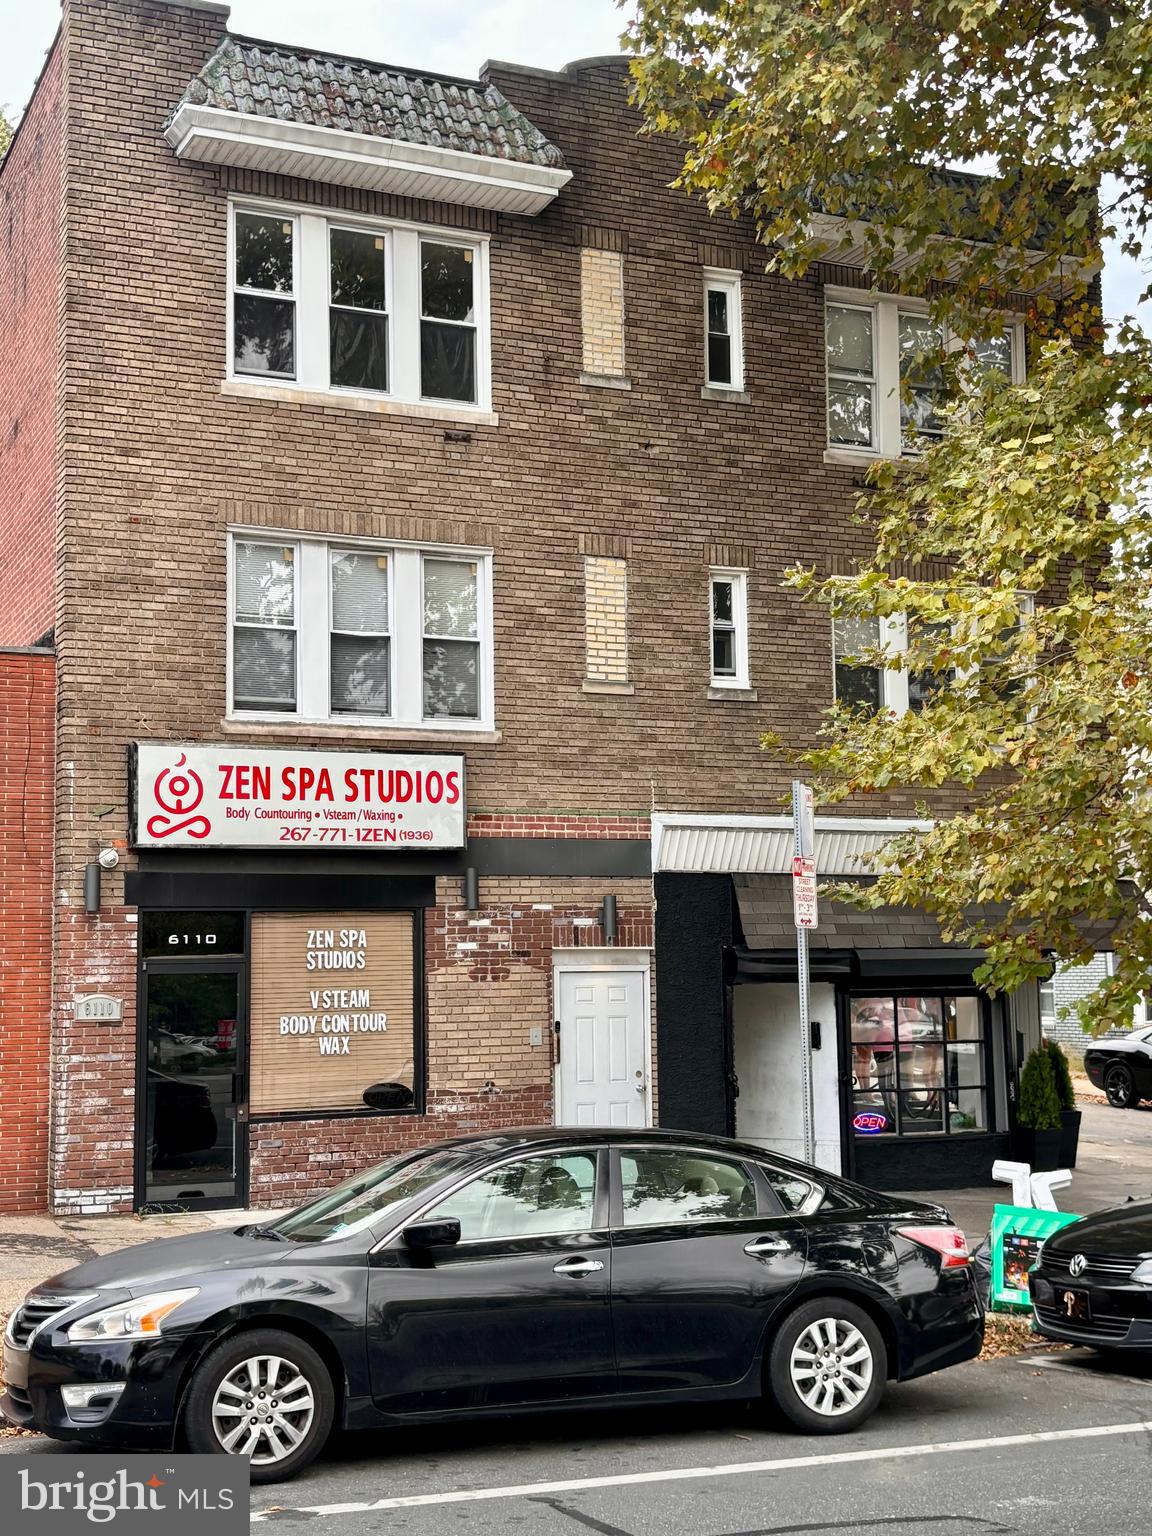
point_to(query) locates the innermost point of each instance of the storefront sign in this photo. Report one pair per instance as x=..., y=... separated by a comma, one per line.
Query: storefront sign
x=1016, y=1235
x=333, y=1008
x=189, y=796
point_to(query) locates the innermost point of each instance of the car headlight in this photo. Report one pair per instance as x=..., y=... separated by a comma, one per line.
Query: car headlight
x=140, y=1319
x=1142, y=1274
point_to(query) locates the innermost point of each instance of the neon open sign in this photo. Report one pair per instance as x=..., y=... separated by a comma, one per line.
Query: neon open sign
x=869, y=1122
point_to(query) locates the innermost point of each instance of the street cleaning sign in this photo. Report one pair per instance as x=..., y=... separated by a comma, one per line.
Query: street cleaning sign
x=1017, y=1232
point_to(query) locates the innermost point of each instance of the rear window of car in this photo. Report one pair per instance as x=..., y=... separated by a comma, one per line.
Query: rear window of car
x=803, y=1196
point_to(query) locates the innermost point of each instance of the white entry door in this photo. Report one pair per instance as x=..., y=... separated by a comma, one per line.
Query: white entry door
x=602, y=1075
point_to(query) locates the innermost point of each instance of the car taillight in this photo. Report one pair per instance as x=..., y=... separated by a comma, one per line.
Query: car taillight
x=949, y=1242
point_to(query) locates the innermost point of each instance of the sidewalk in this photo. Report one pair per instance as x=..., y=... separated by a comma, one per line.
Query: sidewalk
x=34, y=1247
x=1115, y=1161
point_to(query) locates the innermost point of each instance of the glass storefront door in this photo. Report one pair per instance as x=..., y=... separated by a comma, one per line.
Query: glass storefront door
x=193, y=1083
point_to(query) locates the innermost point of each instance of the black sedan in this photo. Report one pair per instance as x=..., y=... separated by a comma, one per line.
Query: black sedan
x=503, y=1274
x=1122, y=1067
x=1092, y=1283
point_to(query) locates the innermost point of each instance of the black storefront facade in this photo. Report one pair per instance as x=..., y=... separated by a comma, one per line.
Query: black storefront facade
x=914, y=1070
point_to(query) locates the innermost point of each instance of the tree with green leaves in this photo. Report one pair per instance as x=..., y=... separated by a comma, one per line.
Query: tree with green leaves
x=6, y=132
x=839, y=127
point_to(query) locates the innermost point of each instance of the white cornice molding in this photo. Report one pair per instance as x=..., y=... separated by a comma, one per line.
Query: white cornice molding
x=271, y=145
x=845, y=243
x=762, y=845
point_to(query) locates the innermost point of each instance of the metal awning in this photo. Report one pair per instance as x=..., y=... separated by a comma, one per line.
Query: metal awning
x=762, y=845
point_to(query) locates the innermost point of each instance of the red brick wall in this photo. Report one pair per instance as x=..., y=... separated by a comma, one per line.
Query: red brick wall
x=30, y=209
x=27, y=723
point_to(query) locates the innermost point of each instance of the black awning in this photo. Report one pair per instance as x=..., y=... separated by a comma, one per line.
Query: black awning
x=853, y=965
x=780, y=964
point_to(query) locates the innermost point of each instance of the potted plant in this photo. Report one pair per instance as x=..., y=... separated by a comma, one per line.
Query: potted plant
x=1069, y=1114
x=1038, y=1122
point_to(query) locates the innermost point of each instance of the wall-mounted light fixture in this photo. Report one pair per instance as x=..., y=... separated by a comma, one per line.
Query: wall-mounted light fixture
x=471, y=890
x=608, y=918
x=91, y=888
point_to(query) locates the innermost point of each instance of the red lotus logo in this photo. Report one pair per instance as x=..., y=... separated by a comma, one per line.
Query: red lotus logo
x=178, y=791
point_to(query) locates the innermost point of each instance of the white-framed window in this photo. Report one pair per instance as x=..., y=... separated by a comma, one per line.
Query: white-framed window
x=345, y=305
x=265, y=272
x=359, y=632
x=857, y=682
x=723, y=330
x=877, y=343
x=728, y=600
x=850, y=344
x=358, y=294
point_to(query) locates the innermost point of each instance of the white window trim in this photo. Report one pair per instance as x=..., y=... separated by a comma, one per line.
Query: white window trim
x=728, y=282
x=356, y=227
x=311, y=287
x=406, y=633
x=739, y=580
x=894, y=642
x=887, y=437
x=283, y=380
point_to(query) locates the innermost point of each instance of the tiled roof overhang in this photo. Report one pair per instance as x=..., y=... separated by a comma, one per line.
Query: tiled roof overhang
x=219, y=137
x=322, y=117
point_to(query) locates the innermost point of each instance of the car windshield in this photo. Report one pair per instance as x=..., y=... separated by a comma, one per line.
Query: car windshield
x=370, y=1197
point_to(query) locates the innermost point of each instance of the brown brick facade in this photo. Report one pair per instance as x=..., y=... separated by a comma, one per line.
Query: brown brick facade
x=654, y=483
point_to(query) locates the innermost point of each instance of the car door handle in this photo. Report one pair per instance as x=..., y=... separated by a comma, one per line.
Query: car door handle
x=577, y=1268
x=760, y=1247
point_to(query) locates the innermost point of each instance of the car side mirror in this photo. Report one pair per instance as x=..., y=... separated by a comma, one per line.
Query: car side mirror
x=432, y=1234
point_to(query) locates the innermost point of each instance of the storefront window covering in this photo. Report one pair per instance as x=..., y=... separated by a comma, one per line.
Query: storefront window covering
x=333, y=1010
x=918, y=1065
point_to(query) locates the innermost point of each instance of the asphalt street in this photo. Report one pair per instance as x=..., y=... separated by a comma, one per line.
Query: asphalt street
x=1037, y=1445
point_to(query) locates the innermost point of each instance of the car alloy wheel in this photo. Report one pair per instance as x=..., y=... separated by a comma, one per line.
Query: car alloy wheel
x=827, y=1366
x=264, y=1409
x=265, y=1394
x=1119, y=1086
x=832, y=1366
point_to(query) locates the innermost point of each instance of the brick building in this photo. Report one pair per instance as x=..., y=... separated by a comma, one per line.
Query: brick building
x=406, y=474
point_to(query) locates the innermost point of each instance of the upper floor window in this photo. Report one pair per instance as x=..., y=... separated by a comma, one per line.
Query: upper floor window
x=858, y=640
x=885, y=382
x=729, y=592
x=362, y=633
x=340, y=304
x=723, y=330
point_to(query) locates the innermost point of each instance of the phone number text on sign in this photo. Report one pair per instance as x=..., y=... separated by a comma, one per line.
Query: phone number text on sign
x=244, y=797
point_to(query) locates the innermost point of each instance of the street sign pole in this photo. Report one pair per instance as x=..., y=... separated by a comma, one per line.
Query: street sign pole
x=805, y=917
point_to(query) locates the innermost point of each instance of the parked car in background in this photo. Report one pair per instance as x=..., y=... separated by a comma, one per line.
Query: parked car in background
x=1092, y=1283
x=1122, y=1068
x=540, y=1269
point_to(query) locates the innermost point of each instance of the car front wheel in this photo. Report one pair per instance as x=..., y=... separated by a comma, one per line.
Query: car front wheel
x=266, y=1395
x=827, y=1367
x=1120, y=1087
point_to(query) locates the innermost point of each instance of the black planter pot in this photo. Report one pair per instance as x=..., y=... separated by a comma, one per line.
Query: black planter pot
x=1040, y=1149
x=1069, y=1137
